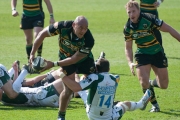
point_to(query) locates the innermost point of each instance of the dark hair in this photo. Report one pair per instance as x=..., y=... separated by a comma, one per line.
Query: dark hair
x=102, y=65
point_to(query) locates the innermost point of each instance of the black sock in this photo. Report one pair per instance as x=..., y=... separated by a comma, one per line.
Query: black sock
x=153, y=98
x=61, y=114
x=39, y=51
x=28, y=50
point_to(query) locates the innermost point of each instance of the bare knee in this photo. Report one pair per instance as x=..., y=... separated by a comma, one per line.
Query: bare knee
x=12, y=95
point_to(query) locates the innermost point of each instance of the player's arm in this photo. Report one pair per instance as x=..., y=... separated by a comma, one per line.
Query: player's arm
x=50, y=9
x=129, y=55
x=167, y=28
x=32, y=81
x=38, y=41
x=13, y=7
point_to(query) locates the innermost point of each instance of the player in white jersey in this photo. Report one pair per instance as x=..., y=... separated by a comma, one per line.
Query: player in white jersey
x=41, y=96
x=6, y=83
x=101, y=92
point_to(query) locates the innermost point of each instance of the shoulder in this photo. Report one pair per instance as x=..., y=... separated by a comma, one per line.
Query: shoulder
x=89, y=39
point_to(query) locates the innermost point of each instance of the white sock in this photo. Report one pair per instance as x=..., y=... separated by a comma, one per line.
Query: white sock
x=83, y=95
x=136, y=105
x=18, y=82
x=11, y=72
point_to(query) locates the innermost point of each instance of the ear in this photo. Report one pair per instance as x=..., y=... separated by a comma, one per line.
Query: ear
x=73, y=25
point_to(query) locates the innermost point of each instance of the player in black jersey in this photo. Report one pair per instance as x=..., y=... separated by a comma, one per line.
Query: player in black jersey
x=75, y=56
x=149, y=54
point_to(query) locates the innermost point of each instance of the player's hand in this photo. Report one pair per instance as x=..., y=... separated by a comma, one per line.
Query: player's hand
x=31, y=59
x=156, y=4
x=15, y=13
x=132, y=65
x=15, y=66
x=48, y=66
x=52, y=21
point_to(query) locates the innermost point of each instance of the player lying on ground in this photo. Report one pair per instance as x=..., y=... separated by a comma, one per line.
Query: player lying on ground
x=101, y=92
x=10, y=87
x=47, y=95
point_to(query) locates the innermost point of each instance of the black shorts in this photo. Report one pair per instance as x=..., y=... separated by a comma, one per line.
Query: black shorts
x=31, y=22
x=159, y=60
x=85, y=67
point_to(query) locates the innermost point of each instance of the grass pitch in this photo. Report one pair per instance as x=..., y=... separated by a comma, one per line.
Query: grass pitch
x=106, y=21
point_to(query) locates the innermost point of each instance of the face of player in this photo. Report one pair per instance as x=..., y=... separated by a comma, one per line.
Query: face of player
x=133, y=13
x=80, y=29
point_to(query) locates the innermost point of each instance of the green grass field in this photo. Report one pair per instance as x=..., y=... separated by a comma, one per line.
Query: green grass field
x=106, y=21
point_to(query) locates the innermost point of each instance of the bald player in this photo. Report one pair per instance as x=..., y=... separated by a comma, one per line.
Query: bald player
x=75, y=56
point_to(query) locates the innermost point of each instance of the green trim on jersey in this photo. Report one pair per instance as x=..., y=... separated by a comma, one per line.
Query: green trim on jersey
x=147, y=5
x=32, y=7
x=4, y=77
x=143, y=34
x=51, y=91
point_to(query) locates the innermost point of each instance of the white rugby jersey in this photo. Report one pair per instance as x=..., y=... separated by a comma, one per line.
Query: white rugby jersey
x=102, y=89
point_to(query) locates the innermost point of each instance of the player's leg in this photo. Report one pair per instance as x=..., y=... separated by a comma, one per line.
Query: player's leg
x=18, y=82
x=121, y=107
x=65, y=98
x=38, y=24
x=6, y=83
x=29, y=38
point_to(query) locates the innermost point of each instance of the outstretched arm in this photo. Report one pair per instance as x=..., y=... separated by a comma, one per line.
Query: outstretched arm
x=50, y=9
x=167, y=28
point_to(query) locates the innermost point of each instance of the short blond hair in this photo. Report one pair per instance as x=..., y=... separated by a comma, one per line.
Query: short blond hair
x=132, y=3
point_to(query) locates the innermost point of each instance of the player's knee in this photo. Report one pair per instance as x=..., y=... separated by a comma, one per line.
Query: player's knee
x=163, y=86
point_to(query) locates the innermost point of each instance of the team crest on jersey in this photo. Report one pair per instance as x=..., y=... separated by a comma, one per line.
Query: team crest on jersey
x=135, y=35
x=1, y=72
x=145, y=26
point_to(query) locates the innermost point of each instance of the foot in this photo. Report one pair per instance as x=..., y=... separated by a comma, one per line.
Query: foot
x=145, y=99
x=155, y=108
x=102, y=55
x=19, y=68
x=61, y=118
x=29, y=69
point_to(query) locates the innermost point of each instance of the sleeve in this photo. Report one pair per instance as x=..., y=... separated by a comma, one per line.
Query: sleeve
x=89, y=43
x=156, y=22
x=127, y=35
x=88, y=82
x=55, y=29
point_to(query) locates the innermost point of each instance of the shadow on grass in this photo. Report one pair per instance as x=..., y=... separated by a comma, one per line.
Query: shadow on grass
x=72, y=105
x=172, y=112
x=174, y=58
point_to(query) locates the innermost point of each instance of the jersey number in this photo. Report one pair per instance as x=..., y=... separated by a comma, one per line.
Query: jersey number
x=105, y=101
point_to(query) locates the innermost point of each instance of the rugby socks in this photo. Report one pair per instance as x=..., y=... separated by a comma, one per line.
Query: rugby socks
x=11, y=72
x=153, y=97
x=61, y=114
x=83, y=96
x=18, y=82
x=39, y=51
x=153, y=83
x=28, y=50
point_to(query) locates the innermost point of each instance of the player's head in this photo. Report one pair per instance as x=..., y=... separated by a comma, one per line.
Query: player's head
x=102, y=65
x=133, y=10
x=80, y=26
